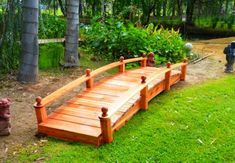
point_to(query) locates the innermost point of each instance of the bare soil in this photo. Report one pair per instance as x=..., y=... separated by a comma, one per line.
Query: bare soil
x=23, y=118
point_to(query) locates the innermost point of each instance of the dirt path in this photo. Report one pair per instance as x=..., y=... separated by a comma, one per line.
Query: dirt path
x=23, y=96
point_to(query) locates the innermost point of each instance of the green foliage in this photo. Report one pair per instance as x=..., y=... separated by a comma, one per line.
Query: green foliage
x=10, y=31
x=50, y=55
x=189, y=125
x=114, y=38
x=51, y=26
x=222, y=23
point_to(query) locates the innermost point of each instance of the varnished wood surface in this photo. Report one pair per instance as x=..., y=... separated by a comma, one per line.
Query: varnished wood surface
x=122, y=94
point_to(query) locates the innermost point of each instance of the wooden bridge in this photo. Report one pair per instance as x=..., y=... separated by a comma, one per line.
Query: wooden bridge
x=93, y=115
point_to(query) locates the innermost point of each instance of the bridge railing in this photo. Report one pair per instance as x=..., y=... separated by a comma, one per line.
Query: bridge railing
x=142, y=89
x=88, y=78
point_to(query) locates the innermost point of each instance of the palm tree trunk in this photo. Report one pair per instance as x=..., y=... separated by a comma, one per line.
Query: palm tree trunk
x=29, y=56
x=71, y=38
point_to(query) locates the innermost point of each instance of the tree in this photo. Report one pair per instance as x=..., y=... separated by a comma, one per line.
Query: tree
x=71, y=38
x=190, y=11
x=29, y=55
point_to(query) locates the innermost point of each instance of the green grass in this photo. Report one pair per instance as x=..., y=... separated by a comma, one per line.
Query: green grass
x=191, y=124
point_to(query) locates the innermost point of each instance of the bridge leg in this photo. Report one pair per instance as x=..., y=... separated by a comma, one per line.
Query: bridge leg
x=183, y=70
x=40, y=110
x=144, y=95
x=144, y=98
x=168, y=78
x=106, y=126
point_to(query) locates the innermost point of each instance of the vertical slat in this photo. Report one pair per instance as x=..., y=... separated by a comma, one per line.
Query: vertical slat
x=106, y=126
x=89, y=82
x=183, y=70
x=40, y=110
x=122, y=66
x=168, y=78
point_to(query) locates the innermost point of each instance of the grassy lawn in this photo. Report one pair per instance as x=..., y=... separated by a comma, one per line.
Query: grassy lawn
x=193, y=124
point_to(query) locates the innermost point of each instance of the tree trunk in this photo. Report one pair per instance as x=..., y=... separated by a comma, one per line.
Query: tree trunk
x=80, y=8
x=62, y=7
x=179, y=7
x=103, y=9
x=234, y=5
x=173, y=9
x=71, y=38
x=29, y=56
x=93, y=8
x=190, y=11
x=164, y=7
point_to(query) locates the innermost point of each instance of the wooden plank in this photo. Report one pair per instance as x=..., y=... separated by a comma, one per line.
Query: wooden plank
x=101, y=93
x=126, y=78
x=68, y=135
x=86, y=113
x=72, y=127
x=75, y=100
x=90, y=103
x=74, y=119
x=79, y=113
x=119, y=83
x=109, y=87
x=92, y=96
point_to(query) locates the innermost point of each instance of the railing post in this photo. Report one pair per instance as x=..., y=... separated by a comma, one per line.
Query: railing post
x=168, y=77
x=122, y=66
x=40, y=110
x=144, y=94
x=106, y=126
x=183, y=70
x=89, y=82
x=144, y=62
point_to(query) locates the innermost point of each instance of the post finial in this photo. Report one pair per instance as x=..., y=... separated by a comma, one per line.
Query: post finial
x=104, y=111
x=88, y=72
x=39, y=101
x=121, y=59
x=143, y=79
x=168, y=65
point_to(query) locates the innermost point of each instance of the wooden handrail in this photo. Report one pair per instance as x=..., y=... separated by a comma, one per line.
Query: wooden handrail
x=65, y=89
x=134, y=60
x=62, y=91
x=131, y=93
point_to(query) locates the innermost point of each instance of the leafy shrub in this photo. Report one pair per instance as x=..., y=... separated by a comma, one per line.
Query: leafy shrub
x=114, y=38
x=50, y=55
x=51, y=26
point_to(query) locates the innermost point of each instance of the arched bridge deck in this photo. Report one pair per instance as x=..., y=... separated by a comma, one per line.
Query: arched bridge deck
x=94, y=114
